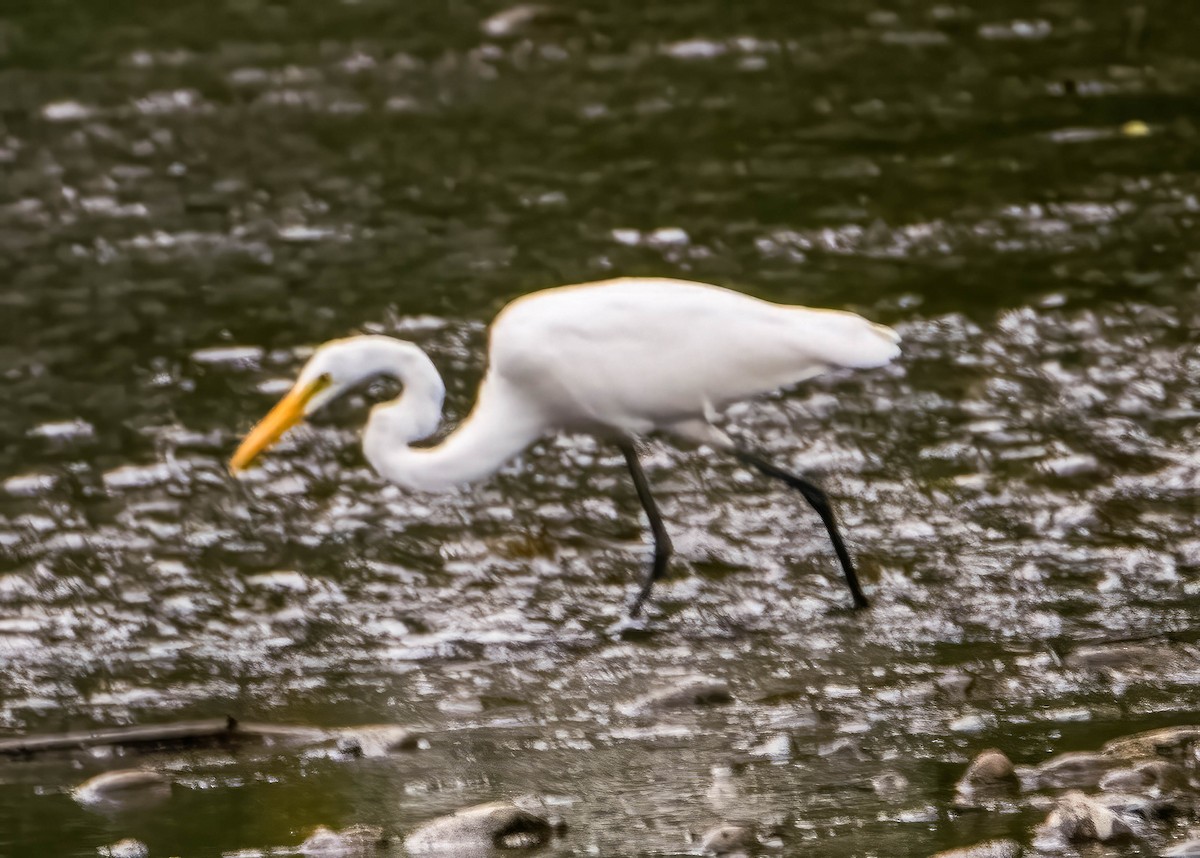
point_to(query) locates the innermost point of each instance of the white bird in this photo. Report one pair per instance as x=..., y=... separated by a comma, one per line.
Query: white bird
x=617, y=359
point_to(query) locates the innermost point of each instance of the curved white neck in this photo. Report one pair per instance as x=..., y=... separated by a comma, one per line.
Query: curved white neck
x=496, y=430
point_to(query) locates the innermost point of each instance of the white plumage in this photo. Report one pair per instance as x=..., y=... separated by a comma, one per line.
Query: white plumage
x=636, y=355
x=618, y=358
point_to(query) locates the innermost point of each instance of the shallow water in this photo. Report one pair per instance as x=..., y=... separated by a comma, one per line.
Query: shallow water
x=192, y=199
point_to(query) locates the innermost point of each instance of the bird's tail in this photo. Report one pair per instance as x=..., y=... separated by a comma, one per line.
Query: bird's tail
x=847, y=339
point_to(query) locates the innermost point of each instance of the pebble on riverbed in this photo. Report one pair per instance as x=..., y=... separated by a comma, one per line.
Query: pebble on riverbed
x=955, y=684
x=127, y=848
x=123, y=788
x=777, y=748
x=1145, y=778
x=1075, y=769
x=1166, y=742
x=890, y=784
x=377, y=740
x=352, y=842
x=1161, y=775
x=1077, y=818
x=989, y=773
x=989, y=849
x=685, y=693
x=499, y=825
x=1123, y=656
x=844, y=750
x=727, y=840
x=522, y=19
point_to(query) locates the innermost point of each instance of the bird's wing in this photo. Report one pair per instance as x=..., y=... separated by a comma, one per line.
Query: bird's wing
x=638, y=354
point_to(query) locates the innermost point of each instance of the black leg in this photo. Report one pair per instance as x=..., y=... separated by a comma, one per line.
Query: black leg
x=820, y=502
x=662, y=542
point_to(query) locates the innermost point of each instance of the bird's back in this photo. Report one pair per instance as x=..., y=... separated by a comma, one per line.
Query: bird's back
x=640, y=353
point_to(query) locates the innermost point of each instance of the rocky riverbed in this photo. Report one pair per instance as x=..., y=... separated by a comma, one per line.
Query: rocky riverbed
x=193, y=198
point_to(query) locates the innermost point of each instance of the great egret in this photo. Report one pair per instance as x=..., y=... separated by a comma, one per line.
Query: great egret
x=618, y=359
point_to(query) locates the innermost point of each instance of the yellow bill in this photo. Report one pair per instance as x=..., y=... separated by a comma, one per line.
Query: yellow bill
x=287, y=413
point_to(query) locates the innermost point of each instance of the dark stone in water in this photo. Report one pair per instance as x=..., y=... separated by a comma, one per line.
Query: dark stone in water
x=687, y=692
x=991, y=771
x=777, y=748
x=357, y=841
x=988, y=849
x=890, y=784
x=499, y=825
x=521, y=19
x=1162, y=775
x=727, y=839
x=1148, y=808
x=845, y=749
x=377, y=740
x=127, y=848
x=1077, y=818
x=125, y=787
x=1122, y=656
x=1166, y=742
x=1076, y=769
x=955, y=684
x=1126, y=780
x=279, y=733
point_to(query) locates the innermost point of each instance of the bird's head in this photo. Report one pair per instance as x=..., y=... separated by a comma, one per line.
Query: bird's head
x=333, y=369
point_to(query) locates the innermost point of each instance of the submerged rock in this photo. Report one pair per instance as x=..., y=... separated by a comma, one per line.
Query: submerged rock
x=1077, y=818
x=890, y=784
x=1142, y=807
x=990, y=772
x=499, y=825
x=988, y=849
x=127, y=848
x=727, y=840
x=235, y=356
x=955, y=684
x=1161, y=775
x=1165, y=742
x=777, y=748
x=29, y=485
x=357, y=841
x=1076, y=465
x=272, y=734
x=124, y=787
x=974, y=723
x=1121, y=656
x=687, y=692
x=844, y=749
x=521, y=19
x=1075, y=769
x=723, y=790
x=135, y=477
x=377, y=740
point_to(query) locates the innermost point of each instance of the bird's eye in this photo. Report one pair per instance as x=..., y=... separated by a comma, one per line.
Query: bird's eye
x=323, y=381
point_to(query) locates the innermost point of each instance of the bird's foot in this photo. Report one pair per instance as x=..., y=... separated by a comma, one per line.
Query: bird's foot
x=858, y=609
x=628, y=626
